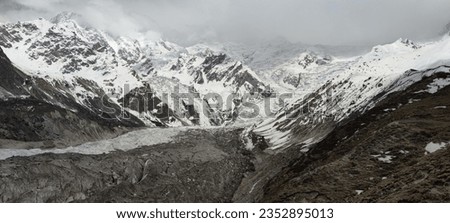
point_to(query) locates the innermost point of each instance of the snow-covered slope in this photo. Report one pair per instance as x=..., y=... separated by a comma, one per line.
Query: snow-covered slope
x=61, y=49
x=36, y=109
x=354, y=88
x=292, y=67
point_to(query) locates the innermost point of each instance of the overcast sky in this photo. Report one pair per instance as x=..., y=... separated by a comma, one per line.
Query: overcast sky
x=333, y=22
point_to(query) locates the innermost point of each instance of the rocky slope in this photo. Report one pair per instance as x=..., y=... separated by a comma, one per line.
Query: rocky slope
x=197, y=166
x=34, y=109
x=395, y=152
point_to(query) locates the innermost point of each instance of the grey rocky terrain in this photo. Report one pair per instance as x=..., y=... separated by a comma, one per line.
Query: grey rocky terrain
x=198, y=166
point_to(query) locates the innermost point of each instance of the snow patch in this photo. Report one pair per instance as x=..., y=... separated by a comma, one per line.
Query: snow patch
x=433, y=147
x=384, y=158
x=437, y=85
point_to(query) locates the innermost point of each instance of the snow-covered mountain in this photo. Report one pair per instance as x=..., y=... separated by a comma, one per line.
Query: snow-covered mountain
x=35, y=109
x=343, y=122
x=136, y=71
x=62, y=49
x=353, y=87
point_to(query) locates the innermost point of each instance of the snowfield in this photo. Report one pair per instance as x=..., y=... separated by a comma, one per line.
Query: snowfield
x=387, y=68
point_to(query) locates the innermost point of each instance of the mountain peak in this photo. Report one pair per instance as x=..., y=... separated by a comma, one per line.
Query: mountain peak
x=64, y=17
x=408, y=43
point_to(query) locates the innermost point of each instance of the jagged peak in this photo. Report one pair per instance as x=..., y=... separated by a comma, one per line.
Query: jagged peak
x=403, y=41
x=408, y=43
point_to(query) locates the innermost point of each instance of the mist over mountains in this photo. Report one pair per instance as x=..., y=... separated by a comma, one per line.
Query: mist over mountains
x=190, y=22
x=95, y=109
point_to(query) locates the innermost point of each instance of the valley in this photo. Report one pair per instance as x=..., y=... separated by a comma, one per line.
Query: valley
x=86, y=116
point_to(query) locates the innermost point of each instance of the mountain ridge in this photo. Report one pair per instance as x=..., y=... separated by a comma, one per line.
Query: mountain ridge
x=67, y=91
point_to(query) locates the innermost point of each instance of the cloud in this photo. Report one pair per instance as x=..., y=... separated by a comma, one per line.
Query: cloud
x=335, y=22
